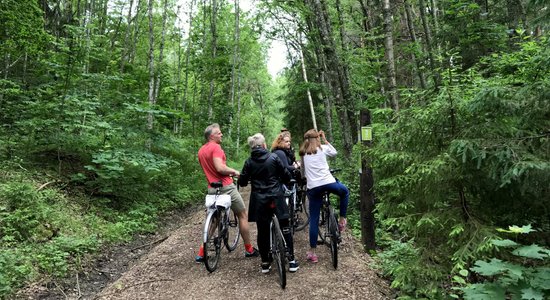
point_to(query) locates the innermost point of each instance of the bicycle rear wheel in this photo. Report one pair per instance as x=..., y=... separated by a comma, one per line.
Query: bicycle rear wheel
x=278, y=251
x=334, y=237
x=212, y=241
x=231, y=240
x=324, y=229
x=301, y=215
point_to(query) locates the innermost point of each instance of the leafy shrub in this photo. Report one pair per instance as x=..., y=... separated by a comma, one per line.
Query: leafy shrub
x=15, y=269
x=127, y=174
x=523, y=274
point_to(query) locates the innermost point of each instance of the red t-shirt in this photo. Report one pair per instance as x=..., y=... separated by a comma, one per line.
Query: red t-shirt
x=206, y=158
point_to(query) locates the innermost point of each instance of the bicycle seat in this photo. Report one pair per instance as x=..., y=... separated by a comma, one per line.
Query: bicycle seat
x=216, y=185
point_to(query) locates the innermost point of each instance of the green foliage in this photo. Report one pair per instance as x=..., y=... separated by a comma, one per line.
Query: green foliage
x=474, y=156
x=523, y=275
x=45, y=232
x=127, y=175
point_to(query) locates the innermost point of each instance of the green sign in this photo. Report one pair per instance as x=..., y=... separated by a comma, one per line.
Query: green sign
x=366, y=133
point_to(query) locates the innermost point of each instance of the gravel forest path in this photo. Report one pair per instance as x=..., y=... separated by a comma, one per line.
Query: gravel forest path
x=168, y=271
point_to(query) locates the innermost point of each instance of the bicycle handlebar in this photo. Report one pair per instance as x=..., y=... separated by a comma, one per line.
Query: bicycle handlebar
x=336, y=170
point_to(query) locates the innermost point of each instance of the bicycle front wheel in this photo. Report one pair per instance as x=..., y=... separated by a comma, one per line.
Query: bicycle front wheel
x=212, y=241
x=334, y=236
x=278, y=250
x=231, y=240
x=291, y=201
x=301, y=215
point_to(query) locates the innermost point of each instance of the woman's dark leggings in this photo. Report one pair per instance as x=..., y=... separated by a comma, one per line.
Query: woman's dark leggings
x=315, y=197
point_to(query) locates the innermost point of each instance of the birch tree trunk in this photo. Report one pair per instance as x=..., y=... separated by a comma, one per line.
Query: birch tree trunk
x=234, y=63
x=213, y=19
x=161, y=50
x=151, y=56
x=309, y=98
x=187, y=57
x=388, y=44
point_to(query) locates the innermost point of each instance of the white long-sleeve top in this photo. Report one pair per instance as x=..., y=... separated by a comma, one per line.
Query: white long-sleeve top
x=316, y=167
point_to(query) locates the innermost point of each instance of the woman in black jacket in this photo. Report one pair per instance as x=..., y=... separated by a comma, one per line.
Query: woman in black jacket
x=282, y=146
x=266, y=173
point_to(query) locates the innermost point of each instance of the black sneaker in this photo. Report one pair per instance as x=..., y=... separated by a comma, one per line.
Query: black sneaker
x=199, y=259
x=293, y=266
x=266, y=267
x=254, y=253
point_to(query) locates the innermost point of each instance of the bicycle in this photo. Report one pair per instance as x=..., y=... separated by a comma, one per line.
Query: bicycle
x=330, y=235
x=278, y=249
x=221, y=224
x=295, y=198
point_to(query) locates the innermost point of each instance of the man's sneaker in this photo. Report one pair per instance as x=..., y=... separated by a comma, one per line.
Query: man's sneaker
x=254, y=253
x=266, y=267
x=312, y=257
x=199, y=259
x=293, y=266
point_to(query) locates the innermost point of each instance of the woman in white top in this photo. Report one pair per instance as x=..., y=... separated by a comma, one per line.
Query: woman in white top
x=319, y=180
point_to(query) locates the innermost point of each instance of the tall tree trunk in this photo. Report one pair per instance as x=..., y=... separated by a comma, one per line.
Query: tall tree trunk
x=236, y=59
x=516, y=14
x=152, y=100
x=262, y=104
x=368, y=27
x=435, y=16
x=137, y=27
x=388, y=44
x=309, y=98
x=335, y=72
x=213, y=19
x=177, y=94
x=187, y=57
x=238, y=111
x=412, y=34
x=428, y=41
x=124, y=54
x=161, y=49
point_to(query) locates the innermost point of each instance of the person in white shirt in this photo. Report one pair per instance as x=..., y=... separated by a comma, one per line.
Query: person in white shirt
x=319, y=180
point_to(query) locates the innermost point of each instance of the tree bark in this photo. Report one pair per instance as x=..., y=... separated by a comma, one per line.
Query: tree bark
x=187, y=57
x=309, y=98
x=161, y=49
x=368, y=27
x=126, y=37
x=234, y=70
x=412, y=34
x=137, y=27
x=213, y=19
x=388, y=44
x=335, y=73
x=516, y=14
x=152, y=100
x=428, y=41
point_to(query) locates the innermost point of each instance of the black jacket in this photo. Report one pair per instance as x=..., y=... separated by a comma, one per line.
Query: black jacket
x=283, y=155
x=265, y=172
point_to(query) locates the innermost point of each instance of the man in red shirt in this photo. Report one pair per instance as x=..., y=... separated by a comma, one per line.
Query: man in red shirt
x=213, y=162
